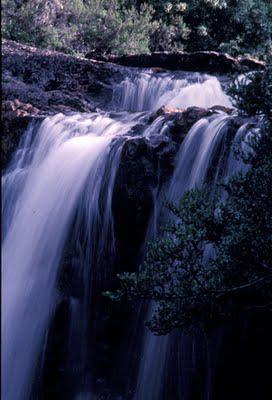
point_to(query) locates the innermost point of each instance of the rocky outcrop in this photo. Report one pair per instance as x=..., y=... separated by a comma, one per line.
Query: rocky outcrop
x=200, y=61
x=15, y=108
x=16, y=116
x=36, y=83
x=13, y=128
x=54, y=82
x=145, y=168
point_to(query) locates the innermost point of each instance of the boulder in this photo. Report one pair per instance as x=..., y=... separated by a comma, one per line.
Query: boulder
x=168, y=110
x=226, y=110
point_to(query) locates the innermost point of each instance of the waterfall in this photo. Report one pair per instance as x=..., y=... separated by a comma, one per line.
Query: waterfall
x=148, y=91
x=66, y=152
x=59, y=185
x=193, y=160
x=192, y=164
x=195, y=155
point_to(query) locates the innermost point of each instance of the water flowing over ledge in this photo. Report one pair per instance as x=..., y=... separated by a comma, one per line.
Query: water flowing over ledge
x=60, y=197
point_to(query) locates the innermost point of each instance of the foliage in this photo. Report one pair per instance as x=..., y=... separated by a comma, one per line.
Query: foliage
x=233, y=26
x=215, y=260
x=111, y=29
x=29, y=22
x=254, y=22
x=252, y=93
x=129, y=26
x=78, y=26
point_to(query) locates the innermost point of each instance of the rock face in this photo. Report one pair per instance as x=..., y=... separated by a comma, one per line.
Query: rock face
x=36, y=83
x=13, y=130
x=16, y=116
x=200, y=61
x=54, y=82
x=15, y=108
x=13, y=127
x=144, y=169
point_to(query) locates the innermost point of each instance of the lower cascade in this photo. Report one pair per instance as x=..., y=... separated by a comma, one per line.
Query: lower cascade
x=61, y=243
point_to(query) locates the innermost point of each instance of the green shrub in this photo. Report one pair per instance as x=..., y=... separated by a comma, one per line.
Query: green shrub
x=113, y=29
x=101, y=26
x=28, y=22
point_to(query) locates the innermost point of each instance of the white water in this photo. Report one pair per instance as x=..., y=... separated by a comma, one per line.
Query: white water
x=44, y=187
x=192, y=163
x=195, y=155
x=148, y=91
x=66, y=150
x=193, y=160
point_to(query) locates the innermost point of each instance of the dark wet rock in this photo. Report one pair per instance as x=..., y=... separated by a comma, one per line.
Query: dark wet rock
x=183, y=121
x=13, y=127
x=54, y=82
x=132, y=199
x=251, y=63
x=190, y=113
x=158, y=70
x=201, y=61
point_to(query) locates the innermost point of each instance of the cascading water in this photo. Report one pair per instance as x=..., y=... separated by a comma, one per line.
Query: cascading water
x=193, y=161
x=66, y=151
x=147, y=91
x=63, y=175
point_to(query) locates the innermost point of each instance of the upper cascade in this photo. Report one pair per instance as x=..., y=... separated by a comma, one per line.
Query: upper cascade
x=148, y=91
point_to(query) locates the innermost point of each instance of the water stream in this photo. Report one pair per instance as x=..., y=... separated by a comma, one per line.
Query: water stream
x=58, y=188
